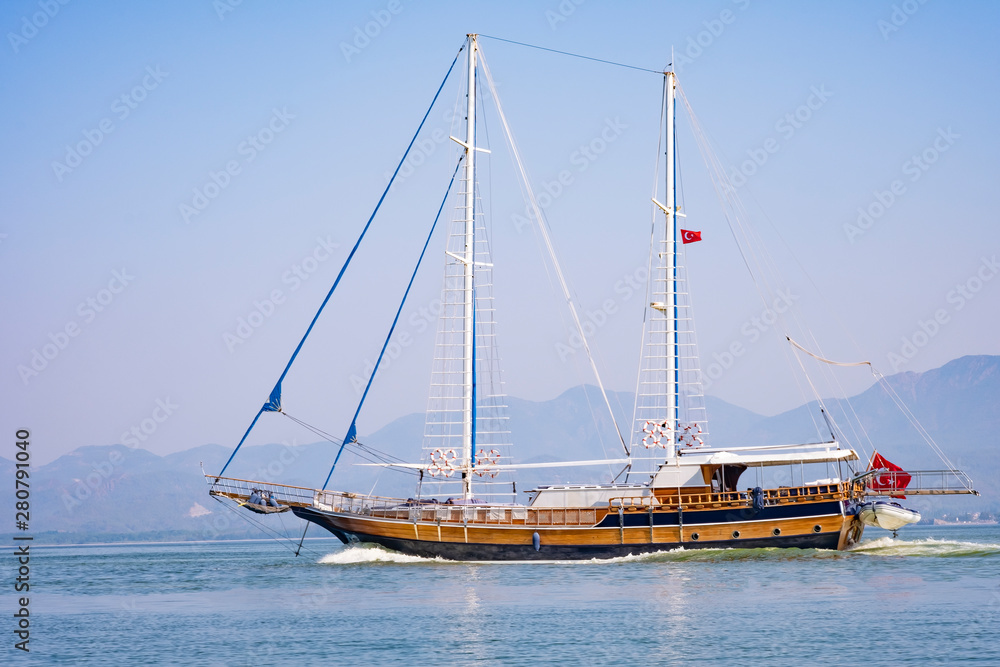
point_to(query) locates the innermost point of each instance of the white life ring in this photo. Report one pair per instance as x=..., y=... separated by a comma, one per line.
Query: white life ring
x=442, y=462
x=484, y=462
x=691, y=435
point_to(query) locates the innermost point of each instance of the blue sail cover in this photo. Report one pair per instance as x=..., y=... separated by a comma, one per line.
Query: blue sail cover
x=274, y=400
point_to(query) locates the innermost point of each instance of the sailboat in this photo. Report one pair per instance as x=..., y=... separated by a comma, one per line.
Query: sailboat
x=675, y=490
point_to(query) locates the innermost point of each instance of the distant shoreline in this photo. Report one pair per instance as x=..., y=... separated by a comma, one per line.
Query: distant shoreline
x=977, y=522
x=103, y=542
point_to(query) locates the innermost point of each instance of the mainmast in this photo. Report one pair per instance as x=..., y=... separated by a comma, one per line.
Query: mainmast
x=673, y=361
x=658, y=398
x=469, y=347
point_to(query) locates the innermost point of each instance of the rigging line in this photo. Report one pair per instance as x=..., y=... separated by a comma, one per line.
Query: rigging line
x=680, y=173
x=828, y=361
x=696, y=385
x=649, y=270
x=734, y=210
x=379, y=456
x=240, y=444
x=490, y=408
x=819, y=400
x=315, y=429
x=487, y=229
x=856, y=423
x=750, y=238
x=745, y=237
x=898, y=400
x=833, y=311
x=719, y=187
x=284, y=530
x=791, y=356
x=548, y=243
x=361, y=449
x=273, y=403
x=726, y=193
x=352, y=431
x=576, y=55
x=276, y=536
x=593, y=413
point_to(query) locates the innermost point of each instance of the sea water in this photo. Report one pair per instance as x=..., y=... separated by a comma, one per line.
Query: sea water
x=930, y=596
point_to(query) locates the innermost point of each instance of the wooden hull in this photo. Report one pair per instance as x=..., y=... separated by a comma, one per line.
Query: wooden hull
x=812, y=526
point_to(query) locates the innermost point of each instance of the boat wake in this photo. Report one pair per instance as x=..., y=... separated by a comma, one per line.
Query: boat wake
x=882, y=546
x=370, y=555
x=928, y=547
x=726, y=555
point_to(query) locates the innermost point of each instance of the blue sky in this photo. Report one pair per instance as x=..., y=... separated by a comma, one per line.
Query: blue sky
x=163, y=97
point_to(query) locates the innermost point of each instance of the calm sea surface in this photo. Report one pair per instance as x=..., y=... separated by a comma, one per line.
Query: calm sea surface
x=931, y=596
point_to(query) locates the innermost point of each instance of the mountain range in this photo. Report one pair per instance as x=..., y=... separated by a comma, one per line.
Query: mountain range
x=114, y=492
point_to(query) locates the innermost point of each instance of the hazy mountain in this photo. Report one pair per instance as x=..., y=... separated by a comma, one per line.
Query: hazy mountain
x=957, y=404
x=115, y=492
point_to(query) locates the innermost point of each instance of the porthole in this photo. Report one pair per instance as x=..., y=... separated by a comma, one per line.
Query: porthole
x=736, y=534
x=694, y=537
x=817, y=528
x=776, y=532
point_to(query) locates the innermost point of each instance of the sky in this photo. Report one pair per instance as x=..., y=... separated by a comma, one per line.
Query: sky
x=181, y=183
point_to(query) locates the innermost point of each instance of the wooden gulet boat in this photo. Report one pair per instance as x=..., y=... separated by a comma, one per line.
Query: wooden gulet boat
x=689, y=496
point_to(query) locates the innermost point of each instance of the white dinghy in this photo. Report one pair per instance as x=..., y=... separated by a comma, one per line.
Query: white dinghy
x=886, y=514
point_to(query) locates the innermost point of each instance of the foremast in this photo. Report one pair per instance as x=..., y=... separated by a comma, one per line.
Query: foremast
x=469, y=314
x=465, y=432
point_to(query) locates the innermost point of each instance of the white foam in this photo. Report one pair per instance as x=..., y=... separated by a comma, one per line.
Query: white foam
x=359, y=555
x=666, y=554
x=928, y=546
x=882, y=546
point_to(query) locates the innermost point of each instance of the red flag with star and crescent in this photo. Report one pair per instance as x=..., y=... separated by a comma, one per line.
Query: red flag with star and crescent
x=687, y=236
x=892, y=478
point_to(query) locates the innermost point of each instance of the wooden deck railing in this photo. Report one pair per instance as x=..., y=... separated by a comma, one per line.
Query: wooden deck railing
x=779, y=496
x=406, y=509
x=415, y=510
x=444, y=513
x=240, y=489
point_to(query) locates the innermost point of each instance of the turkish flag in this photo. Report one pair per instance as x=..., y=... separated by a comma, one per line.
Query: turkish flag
x=688, y=236
x=893, y=479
